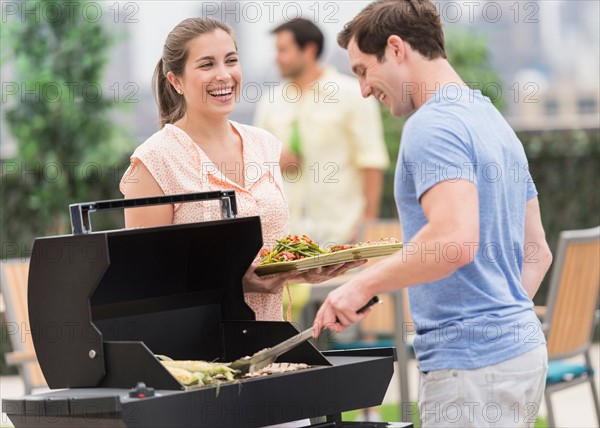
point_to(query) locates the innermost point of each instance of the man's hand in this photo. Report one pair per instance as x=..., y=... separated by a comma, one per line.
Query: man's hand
x=289, y=160
x=338, y=311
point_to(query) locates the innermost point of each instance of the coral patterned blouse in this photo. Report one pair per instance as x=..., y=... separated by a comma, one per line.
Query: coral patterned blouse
x=180, y=166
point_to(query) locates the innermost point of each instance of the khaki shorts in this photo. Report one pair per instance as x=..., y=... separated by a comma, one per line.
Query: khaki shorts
x=507, y=394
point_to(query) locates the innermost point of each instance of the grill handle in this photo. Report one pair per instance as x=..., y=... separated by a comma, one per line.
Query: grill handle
x=80, y=213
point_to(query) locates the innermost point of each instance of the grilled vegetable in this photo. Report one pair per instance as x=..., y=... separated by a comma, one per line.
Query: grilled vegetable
x=198, y=372
x=202, y=373
x=292, y=247
x=184, y=377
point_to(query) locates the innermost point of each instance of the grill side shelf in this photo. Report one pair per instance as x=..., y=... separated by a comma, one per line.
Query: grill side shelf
x=59, y=409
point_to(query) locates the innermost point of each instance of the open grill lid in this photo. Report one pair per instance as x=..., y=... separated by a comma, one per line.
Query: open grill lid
x=102, y=304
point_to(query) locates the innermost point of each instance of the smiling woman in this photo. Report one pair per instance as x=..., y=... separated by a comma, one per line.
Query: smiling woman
x=210, y=78
x=185, y=43
x=196, y=84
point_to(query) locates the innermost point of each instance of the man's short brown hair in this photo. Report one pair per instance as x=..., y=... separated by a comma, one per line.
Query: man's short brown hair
x=417, y=22
x=304, y=32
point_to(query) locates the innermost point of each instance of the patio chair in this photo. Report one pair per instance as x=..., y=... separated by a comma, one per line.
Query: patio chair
x=572, y=313
x=13, y=277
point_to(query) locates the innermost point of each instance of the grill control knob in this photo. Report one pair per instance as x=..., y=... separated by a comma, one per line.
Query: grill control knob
x=141, y=391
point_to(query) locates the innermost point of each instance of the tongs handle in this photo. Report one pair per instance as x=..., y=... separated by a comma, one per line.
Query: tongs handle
x=80, y=213
x=374, y=299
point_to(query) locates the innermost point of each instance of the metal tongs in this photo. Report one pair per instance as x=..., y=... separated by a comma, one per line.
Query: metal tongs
x=267, y=356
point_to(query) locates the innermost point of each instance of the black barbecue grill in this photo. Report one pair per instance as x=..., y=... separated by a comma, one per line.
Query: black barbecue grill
x=103, y=304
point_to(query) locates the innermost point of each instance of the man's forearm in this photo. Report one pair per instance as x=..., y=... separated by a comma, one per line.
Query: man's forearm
x=537, y=254
x=419, y=262
x=447, y=242
x=372, y=187
x=535, y=268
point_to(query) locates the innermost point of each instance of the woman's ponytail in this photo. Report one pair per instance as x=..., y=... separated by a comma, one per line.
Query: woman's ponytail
x=171, y=105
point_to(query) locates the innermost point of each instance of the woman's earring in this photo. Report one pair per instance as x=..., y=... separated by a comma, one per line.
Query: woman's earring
x=179, y=91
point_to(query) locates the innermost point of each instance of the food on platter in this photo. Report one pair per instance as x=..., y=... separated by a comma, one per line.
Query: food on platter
x=292, y=247
x=382, y=241
x=301, y=252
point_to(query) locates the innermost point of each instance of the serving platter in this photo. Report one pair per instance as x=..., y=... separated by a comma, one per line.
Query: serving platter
x=358, y=253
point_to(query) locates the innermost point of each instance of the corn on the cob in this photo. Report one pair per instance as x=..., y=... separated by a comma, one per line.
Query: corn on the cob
x=183, y=376
x=201, y=366
x=198, y=373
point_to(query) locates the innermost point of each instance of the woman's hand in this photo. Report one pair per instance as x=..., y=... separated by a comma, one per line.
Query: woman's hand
x=253, y=283
x=321, y=274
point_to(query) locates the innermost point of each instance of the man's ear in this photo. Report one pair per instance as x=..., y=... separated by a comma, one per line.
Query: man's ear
x=311, y=49
x=397, y=47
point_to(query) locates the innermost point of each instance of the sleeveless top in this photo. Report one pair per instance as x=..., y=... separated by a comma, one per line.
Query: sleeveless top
x=179, y=165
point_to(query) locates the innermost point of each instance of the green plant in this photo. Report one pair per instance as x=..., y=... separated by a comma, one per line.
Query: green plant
x=61, y=118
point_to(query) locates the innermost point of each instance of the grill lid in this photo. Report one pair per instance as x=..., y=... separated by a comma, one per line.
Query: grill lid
x=162, y=290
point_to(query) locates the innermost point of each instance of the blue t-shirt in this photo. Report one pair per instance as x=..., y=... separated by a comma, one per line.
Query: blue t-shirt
x=481, y=314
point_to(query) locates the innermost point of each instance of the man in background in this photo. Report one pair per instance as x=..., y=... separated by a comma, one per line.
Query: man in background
x=334, y=153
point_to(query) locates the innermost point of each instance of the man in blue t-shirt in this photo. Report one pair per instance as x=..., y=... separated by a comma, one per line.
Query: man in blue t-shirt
x=475, y=250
